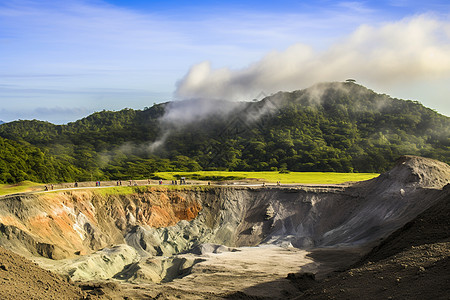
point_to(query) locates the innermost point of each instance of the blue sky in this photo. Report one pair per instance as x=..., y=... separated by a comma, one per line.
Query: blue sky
x=62, y=60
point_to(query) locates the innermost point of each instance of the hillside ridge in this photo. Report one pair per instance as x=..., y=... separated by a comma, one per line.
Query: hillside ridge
x=335, y=127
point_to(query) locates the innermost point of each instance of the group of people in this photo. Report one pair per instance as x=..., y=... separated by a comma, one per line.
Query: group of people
x=46, y=187
x=119, y=183
x=182, y=181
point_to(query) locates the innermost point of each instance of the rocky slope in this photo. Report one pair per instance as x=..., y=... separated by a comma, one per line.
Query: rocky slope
x=412, y=263
x=21, y=279
x=186, y=236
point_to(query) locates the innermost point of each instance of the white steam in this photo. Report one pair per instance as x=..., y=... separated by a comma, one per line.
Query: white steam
x=180, y=113
x=411, y=49
x=158, y=143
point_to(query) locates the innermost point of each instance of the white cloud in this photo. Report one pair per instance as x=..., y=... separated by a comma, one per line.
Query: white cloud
x=397, y=52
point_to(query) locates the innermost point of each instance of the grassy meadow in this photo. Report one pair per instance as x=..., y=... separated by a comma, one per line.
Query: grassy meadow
x=291, y=177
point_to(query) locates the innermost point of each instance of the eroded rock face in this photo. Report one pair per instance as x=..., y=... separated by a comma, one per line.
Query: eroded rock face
x=79, y=222
x=154, y=225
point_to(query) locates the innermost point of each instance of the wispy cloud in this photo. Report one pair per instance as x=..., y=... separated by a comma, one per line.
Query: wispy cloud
x=357, y=7
x=80, y=35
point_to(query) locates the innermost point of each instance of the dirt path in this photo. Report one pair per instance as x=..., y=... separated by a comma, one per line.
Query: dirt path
x=109, y=184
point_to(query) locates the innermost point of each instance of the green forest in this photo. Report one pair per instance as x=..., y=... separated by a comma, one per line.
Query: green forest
x=330, y=127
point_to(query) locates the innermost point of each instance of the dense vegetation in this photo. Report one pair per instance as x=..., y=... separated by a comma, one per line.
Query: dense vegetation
x=341, y=127
x=19, y=162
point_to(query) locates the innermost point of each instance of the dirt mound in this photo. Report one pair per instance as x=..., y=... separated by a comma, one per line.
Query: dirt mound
x=22, y=279
x=412, y=263
x=419, y=171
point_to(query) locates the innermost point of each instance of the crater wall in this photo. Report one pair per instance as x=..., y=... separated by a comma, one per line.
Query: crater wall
x=126, y=233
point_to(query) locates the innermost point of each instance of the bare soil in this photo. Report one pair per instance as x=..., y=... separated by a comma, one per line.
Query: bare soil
x=23, y=279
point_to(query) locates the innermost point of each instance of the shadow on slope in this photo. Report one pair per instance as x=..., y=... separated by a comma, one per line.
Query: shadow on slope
x=431, y=226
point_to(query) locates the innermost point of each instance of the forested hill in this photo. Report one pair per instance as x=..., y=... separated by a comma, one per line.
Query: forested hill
x=19, y=162
x=342, y=127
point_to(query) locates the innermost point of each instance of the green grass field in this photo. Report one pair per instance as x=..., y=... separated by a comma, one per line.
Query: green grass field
x=126, y=190
x=292, y=177
x=21, y=187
